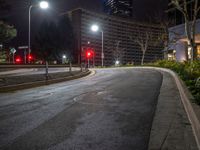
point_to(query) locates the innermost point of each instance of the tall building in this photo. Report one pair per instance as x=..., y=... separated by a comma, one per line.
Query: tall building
x=121, y=8
x=119, y=34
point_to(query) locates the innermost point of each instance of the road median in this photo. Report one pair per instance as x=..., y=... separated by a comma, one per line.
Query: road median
x=23, y=82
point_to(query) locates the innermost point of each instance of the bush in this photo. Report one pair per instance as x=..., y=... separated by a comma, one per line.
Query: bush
x=188, y=71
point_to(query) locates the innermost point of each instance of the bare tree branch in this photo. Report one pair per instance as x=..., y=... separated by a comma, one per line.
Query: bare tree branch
x=190, y=25
x=143, y=39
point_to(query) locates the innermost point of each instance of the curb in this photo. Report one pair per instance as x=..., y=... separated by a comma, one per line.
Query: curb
x=42, y=83
x=188, y=108
x=185, y=98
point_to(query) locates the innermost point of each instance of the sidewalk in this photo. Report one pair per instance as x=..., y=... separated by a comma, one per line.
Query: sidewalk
x=171, y=129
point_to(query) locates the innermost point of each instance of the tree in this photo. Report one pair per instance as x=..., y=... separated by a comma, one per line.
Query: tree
x=66, y=36
x=7, y=32
x=143, y=39
x=46, y=41
x=118, y=52
x=163, y=37
x=54, y=40
x=190, y=24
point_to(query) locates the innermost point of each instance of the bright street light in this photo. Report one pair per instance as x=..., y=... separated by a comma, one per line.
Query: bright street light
x=117, y=62
x=44, y=4
x=64, y=56
x=95, y=28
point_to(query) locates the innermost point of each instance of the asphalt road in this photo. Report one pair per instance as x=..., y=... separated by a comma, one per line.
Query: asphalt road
x=111, y=110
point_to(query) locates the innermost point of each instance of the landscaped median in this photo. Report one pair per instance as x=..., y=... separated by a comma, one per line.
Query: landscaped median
x=12, y=83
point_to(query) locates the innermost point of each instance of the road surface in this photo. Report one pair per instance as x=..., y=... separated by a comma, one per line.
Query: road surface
x=111, y=110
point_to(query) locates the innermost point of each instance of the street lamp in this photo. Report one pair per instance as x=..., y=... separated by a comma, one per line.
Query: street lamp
x=64, y=57
x=95, y=28
x=117, y=62
x=42, y=5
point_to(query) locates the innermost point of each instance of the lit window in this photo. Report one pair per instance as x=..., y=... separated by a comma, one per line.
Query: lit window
x=198, y=51
x=189, y=52
x=172, y=55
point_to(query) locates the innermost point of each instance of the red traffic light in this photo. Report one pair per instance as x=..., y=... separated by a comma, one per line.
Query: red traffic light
x=18, y=60
x=30, y=57
x=89, y=53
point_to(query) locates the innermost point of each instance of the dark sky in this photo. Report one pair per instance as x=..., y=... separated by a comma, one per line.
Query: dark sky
x=18, y=15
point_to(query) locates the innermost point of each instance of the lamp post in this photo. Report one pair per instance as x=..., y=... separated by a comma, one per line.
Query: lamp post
x=42, y=5
x=64, y=57
x=95, y=28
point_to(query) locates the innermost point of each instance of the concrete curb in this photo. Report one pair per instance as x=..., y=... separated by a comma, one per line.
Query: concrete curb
x=192, y=116
x=42, y=83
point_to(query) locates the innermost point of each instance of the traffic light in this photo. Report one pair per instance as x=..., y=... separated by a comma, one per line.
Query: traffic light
x=18, y=60
x=89, y=54
x=30, y=57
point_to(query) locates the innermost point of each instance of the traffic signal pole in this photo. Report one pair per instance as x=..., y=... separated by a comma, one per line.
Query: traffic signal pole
x=88, y=63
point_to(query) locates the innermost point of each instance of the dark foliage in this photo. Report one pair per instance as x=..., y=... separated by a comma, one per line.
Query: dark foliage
x=54, y=40
x=188, y=71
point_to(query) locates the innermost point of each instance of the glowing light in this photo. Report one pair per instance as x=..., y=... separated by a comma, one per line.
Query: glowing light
x=89, y=54
x=64, y=56
x=95, y=28
x=117, y=62
x=44, y=4
x=18, y=60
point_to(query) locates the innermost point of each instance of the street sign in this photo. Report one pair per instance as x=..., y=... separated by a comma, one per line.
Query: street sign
x=23, y=47
x=13, y=50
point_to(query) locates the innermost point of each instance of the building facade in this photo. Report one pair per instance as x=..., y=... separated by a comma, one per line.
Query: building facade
x=119, y=35
x=121, y=8
x=180, y=49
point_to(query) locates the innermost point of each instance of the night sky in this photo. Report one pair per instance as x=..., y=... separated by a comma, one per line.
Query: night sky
x=18, y=15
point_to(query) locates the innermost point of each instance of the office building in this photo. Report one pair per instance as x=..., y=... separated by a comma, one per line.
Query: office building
x=122, y=8
x=118, y=34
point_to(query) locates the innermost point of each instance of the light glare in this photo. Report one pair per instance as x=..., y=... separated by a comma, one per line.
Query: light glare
x=95, y=28
x=64, y=56
x=117, y=62
x=44, y=4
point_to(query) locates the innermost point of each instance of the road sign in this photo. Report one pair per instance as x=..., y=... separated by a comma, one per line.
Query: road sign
x=13, y=50
x=23, y=47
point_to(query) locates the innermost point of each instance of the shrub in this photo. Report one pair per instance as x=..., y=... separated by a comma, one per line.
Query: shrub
x=188, y=71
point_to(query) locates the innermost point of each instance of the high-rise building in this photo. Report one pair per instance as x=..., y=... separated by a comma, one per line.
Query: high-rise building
x=118, y=43
x=121, y=8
